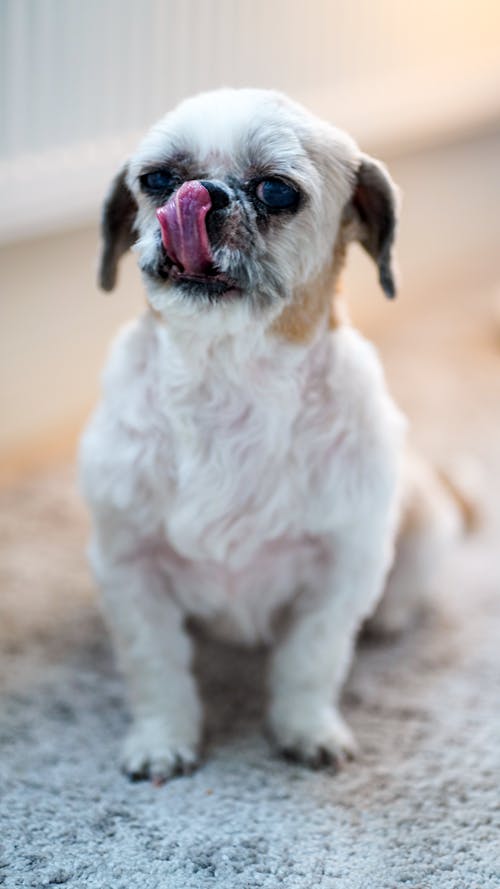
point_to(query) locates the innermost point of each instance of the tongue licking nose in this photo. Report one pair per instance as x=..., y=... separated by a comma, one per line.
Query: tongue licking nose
x=183, y=229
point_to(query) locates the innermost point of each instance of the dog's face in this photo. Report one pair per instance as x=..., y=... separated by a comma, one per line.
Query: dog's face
x=239, y=200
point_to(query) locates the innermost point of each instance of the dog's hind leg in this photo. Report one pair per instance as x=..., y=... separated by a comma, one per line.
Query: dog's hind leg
x=435, y=513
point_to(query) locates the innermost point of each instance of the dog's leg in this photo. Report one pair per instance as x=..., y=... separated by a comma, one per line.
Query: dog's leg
x=154, y=652
x=435, y=513
x=312, y=661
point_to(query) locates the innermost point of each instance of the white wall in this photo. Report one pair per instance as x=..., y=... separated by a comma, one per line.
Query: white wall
x=80, y=81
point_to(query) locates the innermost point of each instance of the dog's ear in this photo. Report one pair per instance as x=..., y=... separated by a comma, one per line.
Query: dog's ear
x=117, y=228
x=371, y=217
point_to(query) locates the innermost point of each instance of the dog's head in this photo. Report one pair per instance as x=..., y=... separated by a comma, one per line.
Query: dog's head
x=242, y=201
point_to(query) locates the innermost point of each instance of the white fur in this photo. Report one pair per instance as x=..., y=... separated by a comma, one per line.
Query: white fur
x=224, y=488
x=242, y=479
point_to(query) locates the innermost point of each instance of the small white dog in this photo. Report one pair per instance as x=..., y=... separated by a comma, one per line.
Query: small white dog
x=244, y=465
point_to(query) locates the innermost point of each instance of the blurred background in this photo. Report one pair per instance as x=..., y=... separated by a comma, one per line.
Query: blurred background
x=416, y=84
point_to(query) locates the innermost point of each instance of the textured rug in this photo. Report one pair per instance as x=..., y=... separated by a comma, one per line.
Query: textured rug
x=419, y=809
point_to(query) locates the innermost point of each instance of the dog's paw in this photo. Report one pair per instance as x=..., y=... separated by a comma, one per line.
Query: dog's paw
x=152, y=751
x=317, y=738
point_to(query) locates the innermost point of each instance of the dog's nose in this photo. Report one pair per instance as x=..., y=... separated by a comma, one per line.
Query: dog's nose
x=218, y=192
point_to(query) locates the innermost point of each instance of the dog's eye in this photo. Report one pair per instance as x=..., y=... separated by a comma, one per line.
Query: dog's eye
x=157, y=181
x=277, y=194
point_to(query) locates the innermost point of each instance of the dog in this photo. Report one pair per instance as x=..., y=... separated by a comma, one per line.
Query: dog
x=246, y=465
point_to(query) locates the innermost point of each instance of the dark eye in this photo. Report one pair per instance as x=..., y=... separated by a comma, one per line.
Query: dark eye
x=157, y=181
x=277, y=194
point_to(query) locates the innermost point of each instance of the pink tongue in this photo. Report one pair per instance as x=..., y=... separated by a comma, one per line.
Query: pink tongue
x=183, y=229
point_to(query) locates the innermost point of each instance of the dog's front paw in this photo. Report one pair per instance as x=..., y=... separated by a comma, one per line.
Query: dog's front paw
x=153, y=750
x=316, y=736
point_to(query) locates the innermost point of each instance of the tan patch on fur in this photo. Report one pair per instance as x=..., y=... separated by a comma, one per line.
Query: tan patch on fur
x=421, y=495
x=465, y=500
x=427, y=491
x=314, y=302
x=339, y=314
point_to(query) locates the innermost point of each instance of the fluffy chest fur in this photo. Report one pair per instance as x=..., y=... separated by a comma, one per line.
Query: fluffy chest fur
x=238, y=459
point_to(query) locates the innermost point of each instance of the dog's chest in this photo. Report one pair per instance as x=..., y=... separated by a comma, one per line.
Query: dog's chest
x=245, y=462
x=238, y=475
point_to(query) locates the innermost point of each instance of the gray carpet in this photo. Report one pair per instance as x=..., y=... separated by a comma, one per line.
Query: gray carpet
x=420, y=809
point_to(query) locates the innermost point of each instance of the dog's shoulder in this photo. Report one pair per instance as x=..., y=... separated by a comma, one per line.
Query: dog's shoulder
x=118, y=456
x=356, y=386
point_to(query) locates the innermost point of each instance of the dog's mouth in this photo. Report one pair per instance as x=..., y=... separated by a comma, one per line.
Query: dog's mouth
x=188, y=258
x=212, y=281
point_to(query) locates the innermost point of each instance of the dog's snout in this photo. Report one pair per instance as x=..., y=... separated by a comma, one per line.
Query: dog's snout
x=191, y=224
x=218, y=192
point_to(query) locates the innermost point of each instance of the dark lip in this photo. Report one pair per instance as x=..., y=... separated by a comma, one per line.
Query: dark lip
x=213, y=281
x=201, y=286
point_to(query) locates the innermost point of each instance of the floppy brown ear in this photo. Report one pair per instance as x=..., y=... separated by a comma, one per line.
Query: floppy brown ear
x=117, y=229
x=372, y=208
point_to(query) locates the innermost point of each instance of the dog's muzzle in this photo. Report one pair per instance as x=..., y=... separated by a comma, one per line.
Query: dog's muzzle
x=187, y=221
